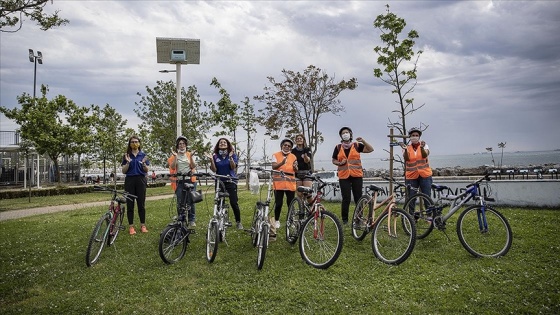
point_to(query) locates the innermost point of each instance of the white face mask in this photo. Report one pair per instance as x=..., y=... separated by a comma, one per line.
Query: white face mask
x=414, y=139
x=182, y=150
x=345, y=136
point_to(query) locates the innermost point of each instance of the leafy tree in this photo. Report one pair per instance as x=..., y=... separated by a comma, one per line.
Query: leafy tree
x=157, y=110
x=502, y=145
x=12, y=13
x=224, y=114
x=55, y=127
x=110, y=136
x=398, y=69
x=297, y=103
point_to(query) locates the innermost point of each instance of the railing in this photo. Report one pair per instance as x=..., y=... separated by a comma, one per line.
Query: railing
x=9, y=138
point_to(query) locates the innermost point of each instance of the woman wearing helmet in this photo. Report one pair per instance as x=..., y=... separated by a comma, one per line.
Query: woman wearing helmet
x=135, y=166
x=346, y=156
x=418, y=171
x=285, y=161
x=181, y=161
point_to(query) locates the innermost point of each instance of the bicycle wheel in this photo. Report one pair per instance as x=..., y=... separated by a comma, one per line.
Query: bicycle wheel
x=97, y=239
x=212, y=241
x=254, y=225
x=360, y=217
x=390, y=241
x=321, y=240
x=262, y=246
x=173, y=243
x=420, y=206
x=484, y=232
x=293, y=220
x=116, y=227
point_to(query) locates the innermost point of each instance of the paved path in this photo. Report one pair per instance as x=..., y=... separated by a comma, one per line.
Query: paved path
x=16, y=214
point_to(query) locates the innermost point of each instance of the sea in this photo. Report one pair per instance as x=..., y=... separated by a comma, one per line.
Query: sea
x=509, y=159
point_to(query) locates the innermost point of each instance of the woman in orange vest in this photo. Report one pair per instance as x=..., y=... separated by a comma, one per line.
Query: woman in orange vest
x=418, y=170
x=181, y=161
x=286, y=161
x=346, y=156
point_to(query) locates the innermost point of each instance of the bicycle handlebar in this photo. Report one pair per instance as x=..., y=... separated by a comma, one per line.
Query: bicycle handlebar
x=485, y=178
x=389, y=179
x=282, y=173
x=125, y=194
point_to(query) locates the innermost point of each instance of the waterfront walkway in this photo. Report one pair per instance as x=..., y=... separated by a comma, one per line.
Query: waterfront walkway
x=22, y=213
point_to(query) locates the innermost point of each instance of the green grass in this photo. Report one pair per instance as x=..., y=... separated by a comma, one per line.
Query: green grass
x=43, y=271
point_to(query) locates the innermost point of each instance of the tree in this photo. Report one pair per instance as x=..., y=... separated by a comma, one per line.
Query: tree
x=110, y=137
x=224, y=113
x=247, y=122
x=398, y=70
x=502, y=145
x=157, y=110
x=12, y=13
x=297, y=103
x=55, y=127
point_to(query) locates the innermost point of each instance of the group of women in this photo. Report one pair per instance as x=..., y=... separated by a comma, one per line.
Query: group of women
x=291, y=159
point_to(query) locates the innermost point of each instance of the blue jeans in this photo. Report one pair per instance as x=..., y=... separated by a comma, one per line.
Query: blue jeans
x=425, y=185
x=179, y=194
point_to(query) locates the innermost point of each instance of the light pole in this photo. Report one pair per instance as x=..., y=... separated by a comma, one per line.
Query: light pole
x=178, y=88
x=34, y=59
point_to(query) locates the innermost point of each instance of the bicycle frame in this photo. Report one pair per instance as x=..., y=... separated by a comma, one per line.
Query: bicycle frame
x=458, y=201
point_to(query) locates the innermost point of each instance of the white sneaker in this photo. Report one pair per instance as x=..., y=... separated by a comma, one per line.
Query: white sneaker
x=192, y=224
x=277, y=224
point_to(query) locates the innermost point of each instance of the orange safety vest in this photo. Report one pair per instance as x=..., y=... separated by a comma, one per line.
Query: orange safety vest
x=174, y=171
x=353, y=165
x=287, y=182
x=416, y=164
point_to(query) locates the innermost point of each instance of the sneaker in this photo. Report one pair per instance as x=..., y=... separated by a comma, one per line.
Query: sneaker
x=143, y=229
x=239, y=226
x=192, y=224
x=131, y=230
x=277, y=224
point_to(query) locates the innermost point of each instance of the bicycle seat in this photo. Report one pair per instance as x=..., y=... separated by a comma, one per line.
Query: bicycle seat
x=188, y=185
x=437, y=187
x=374, y=188
x=120, y=200
x=223, y=194
x=304, y=189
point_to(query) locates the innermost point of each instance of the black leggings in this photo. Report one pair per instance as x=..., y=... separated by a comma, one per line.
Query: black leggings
x=136, y=185
x=279, y=198
x=231, y=188
x=348, y=187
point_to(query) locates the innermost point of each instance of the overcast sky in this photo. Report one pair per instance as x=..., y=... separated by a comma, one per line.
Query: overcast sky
x=490, y=71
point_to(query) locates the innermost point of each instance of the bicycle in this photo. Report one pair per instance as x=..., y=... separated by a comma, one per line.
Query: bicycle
x=391, y=243
x=260, y=226
x=219, y=221
x=174, y=238
x=482, y=230
x=109, y=224
x=319, y=231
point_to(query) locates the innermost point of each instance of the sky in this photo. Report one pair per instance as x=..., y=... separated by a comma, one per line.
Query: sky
x=489, y=72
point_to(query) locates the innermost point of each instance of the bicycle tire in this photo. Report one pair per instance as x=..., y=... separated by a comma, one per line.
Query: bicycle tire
x=98, y=239
x=320, y=248
x=254, y=226
x=212, y=240
x=173, y=242
x=360, y=217
x=420, y=206
x=262, y=245
x=391, y=242
x=484, y=233
x=116, y=227
x=293, y=220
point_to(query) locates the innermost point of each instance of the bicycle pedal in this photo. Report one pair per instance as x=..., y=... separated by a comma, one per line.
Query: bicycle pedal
x=191, y=231
x=122, y=227
x=228, y=224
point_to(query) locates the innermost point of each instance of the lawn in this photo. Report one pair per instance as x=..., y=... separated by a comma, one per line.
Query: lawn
x=42, y=263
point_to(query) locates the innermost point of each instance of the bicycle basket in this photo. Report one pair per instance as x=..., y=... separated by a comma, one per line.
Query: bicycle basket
x=196, y=196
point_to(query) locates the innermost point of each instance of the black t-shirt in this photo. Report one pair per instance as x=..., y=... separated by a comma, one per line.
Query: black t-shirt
x=360, y=148
x=302, y=166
